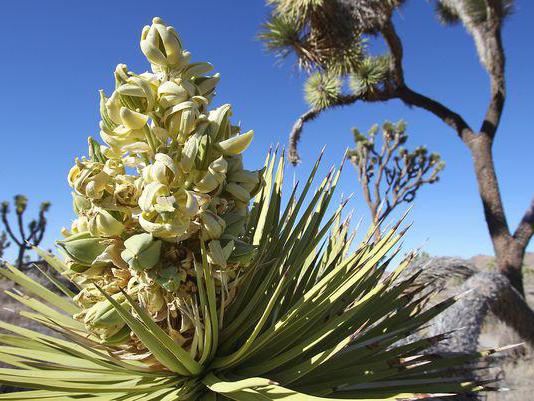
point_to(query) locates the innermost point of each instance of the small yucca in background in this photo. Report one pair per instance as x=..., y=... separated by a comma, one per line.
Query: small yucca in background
x=194, y=282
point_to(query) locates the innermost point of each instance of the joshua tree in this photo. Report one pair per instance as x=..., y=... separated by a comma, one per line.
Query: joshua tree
x=4, y=243
x=388, y=173
x=304, y=27
x=35, y=229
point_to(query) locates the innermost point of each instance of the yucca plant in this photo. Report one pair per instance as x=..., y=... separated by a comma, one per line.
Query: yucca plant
x=194, y=282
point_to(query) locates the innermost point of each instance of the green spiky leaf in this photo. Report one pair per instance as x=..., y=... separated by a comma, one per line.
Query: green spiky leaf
x=372, y=72
x=322, y=89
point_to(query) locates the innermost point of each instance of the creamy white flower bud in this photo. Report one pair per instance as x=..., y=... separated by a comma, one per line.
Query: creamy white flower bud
x=132, y=119
x=138, y=91
x=160, y=44
x=150, y=194
x=103, y=223
x=113, y=167
x=141, y=251
x=212, y=225
x=171, y=93
x=238, y=192
x=163, y=170
x=214, y=177
x=88, y=179
x=113, y=107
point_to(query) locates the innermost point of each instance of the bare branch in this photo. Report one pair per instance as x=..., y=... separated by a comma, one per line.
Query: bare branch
x=490, y=195
x=20, y=223
x=388, y=173
x=408, y=96
x=486, y=34
x=8, y=227
x=494, y=12
x=344, y=100
x=449, y=117
x=294, y=136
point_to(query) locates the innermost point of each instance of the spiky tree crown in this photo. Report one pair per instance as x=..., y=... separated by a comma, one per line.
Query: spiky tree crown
x=325, y=35
x=183, y=292
x=317, y=31
x=329, y=38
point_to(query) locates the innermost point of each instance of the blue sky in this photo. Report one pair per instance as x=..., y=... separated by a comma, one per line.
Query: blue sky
x=57, y=54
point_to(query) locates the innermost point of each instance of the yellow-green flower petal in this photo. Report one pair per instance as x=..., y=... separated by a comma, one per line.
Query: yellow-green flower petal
x=236, y=144
x=133, y=119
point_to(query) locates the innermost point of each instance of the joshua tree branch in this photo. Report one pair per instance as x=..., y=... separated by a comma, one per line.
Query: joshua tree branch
x=449, y=117
x=382, y=164
x=8, y=228
x=294, y=136
x=372, y=204
x=343, y=100
x=412, y=98
x=36, y=228
x=37, y=236
x=525, y=230
x=496, y=71
x=388, y=173
x=408, y=96
x=396, y=51
x=20, y=223
x=488, y=187
x=494, y=12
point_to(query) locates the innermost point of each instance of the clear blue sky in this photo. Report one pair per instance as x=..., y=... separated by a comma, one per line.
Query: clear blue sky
x=57, y=54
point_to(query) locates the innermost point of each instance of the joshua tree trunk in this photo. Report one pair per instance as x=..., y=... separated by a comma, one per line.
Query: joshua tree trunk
x=510, y=263
x=509, y=249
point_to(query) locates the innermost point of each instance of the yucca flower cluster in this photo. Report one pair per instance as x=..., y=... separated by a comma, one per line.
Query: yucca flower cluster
x=169, y=177
x=192, y=281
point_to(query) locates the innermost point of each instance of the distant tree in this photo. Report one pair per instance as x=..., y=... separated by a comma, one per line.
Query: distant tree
x=24, y=236
x=313, y=30
x=4, y=243
x=388, y=173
